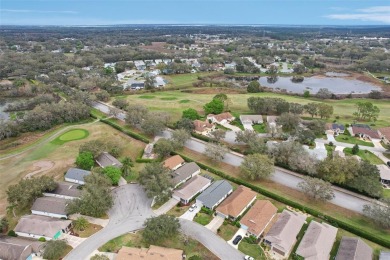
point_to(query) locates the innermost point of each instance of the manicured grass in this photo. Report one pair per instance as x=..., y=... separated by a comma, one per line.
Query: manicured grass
x=89, y=231
x=346, y=138
x=147, y=97
x=168, y=98
x=185, y=80
x=203, y=218
x=190, y=248
x=260, y=128
x=365, y=155
x=253, y=250
x=227, y=231
x=184, y=101
x=386, y=193
x=71, y=135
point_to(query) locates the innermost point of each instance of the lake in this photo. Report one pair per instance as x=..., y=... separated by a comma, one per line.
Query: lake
x=337, y=85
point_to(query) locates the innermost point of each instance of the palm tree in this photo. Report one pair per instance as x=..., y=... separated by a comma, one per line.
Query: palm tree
x=127, y=163
x=80, y=224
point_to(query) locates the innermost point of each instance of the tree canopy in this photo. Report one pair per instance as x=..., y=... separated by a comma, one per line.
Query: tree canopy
x=160, y=228
x=257, y=166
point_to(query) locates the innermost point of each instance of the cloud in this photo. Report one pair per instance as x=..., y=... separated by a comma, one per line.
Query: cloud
x=377, y=14
x=36, y=11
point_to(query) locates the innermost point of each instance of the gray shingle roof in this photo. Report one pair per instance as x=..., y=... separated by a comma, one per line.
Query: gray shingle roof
x=105, y=159
x=77, y=174
x=9, y=251
x=215, y=193
x=184, y=172
x=51, y=205
x=67, y=189
x=353, y=248
x=40, y=225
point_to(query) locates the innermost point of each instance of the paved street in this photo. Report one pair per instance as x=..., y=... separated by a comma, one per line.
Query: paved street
x=213, y=242
x=129, y=212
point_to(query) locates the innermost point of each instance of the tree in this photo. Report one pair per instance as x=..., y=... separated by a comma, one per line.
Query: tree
x=299, y=69
x=157, y=182
x=113, y=173
x=379, y=212
x=136, y=114
x=217, y=135
x=3, y=225
x=257, y=166
x=96, y=147
x=190, y=113
x=355, y=149
x=95, y=199
x=316, y=188
x=305, y=136
x=216, y=152
x=163, y=147
x=120, y=103
x=153, y=124
x=253, y=87
x=272, y=70
x=160, y=228
x=324, y=110
x=127, y=164
x=366, y=178
x=186, y=124
x=85, y=160
x=257, y=145
x=23, y=194
x=289, y=122
x=337, y=169
x=114, y=112
x=99, y=257
x=80, y=224
x=54, y=249
x=215, y=106
x=296, y=108
x=245, y=136
x=312, y=109
x=366, y=111
x=324, y=93
x=179, y=138
x=317, y=126
x=150, y=82
x=306, y=94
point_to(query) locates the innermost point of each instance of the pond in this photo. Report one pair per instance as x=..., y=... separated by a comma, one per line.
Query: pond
x=336, y=85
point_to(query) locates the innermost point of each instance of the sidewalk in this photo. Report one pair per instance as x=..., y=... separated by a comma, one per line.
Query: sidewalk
x=166, y=207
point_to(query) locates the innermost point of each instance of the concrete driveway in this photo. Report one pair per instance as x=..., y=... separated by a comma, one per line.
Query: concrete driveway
x=190, y=215
x=330, y=138
x=211, y=241
x=232, y=127
x=240, y=232
x=131, y=208
x=73, y=241
x=215, y=223
x=247, y=126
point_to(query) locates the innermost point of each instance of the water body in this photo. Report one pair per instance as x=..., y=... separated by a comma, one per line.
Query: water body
x=336, y=85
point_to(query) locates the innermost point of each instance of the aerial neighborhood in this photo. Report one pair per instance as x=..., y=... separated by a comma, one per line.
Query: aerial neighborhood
x=194, y=142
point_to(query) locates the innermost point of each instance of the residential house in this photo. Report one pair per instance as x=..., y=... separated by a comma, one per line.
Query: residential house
x=365, y=133
x=50, y=206
x=236, y=204
x=105, y=159
x=283, y=233
x=160, y=82
x=174, y=162
x=137, y=85
x=221, y=119
x=151, y=253
x=230, y=65
x=203, y=127
x=184, y=173
x=353, y=248
x=385, y=134
x=34, y=226
x=190, y=189
x=251, y=119
x=140, y=64
x=76, y=175
x=65, y=190
x=258, y=217
x=317, y=242
x=384, y=172
x=384, y=255
x=215, y=194
x=335, y=128
x=10, y=251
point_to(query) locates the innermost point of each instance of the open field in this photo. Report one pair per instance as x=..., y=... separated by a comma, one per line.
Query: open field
x=54, y=159
x=192, y=247
x=163, y=101
x=185, y=80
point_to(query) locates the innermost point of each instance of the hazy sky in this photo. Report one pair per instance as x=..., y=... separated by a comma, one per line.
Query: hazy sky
x=106, y=12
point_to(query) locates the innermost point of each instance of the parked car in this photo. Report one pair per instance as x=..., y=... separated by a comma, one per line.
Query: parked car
x=193, y=207
x=247, y=257
x=237, y=240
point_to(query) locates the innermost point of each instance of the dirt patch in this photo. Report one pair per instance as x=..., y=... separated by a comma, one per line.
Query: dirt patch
x=157, y=46
x=215, y=91
x=40, y=166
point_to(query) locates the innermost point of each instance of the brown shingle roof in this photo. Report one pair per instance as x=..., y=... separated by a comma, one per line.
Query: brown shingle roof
x=236, y=202
x=361, y=130
x=257, y=218
x=173, y=162
x=151, y=253
x=385, y=131
x=201, y=126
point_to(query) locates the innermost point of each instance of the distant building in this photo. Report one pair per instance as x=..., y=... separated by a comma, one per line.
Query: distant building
x=251, y=119
x=10, y=251
x=203, y=127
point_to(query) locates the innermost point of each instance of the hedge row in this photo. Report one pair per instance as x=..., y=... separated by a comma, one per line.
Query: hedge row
x=129, y=133
x=334, y=221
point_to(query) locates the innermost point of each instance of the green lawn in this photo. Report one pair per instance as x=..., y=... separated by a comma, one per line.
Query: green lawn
x=71, y=135
x=365, y=155
x=386, y=193
x=342, y=108
x=203, y=218
x=346, y=138
x=185, y=80
x=227, y=231
x=260, y=128
x=253, y=250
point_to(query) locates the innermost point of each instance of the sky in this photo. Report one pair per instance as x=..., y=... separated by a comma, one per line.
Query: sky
x=271, y=12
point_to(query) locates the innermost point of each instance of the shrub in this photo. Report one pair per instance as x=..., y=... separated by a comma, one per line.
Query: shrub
x=12, y=233
x=127, y=132
x=42, y=239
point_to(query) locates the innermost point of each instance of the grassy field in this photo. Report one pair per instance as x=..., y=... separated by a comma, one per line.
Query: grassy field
x=53, y=159
x=203, y=218
x=346, y=138
x=162, y=101
x=365, y=155
x=185, y=80
x=190, y=248
x=260, y=128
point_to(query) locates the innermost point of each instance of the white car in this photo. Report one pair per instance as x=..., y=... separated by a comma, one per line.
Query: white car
x=247, y=257
x=193, y=207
